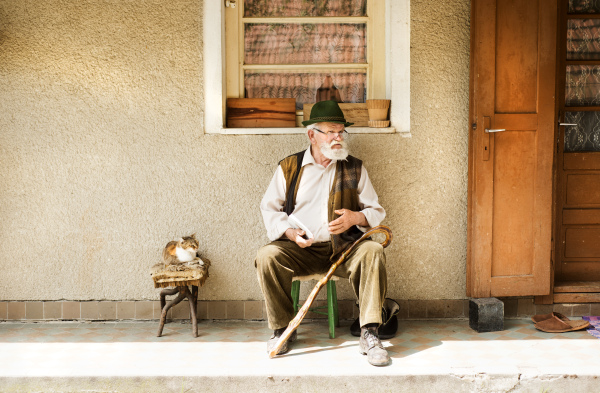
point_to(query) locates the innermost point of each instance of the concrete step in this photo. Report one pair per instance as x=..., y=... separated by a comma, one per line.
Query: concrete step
x=230, y=356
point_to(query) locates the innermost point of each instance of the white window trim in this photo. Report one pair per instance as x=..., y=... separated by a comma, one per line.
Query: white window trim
x=397, y=72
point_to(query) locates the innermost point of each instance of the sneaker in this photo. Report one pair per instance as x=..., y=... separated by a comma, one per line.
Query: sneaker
x=275, y=338
x=371, y=346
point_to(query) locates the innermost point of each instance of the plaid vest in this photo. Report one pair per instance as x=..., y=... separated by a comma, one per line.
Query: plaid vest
x=343, y=194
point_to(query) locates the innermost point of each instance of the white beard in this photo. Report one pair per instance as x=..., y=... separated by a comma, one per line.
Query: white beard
x=334, y=154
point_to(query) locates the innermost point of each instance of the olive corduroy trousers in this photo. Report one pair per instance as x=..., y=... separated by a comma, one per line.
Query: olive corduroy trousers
x=279, y=261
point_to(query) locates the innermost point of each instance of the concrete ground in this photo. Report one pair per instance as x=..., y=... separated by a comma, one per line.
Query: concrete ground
x=230, y=356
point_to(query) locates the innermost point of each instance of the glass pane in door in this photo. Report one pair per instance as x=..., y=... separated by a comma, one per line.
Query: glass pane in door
x=584, y=6
x=583, y=39
x=582, y=85
x=585, y=134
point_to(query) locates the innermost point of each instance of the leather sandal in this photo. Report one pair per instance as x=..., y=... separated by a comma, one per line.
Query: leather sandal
x=557, y=325
x=543, y=317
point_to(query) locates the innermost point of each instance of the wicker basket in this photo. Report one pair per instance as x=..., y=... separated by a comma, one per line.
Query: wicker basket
x=378, y=110
x=379, y=123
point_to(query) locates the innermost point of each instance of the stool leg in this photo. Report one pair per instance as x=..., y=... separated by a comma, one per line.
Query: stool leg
x=194, y=309
x=295, y=295
x=163, y=314
x=192, y=302
x=336, y=318
x=163, y=295
x=195, y=296
x=332, y=316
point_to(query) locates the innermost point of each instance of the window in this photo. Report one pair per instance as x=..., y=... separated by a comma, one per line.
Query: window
x=306, y=50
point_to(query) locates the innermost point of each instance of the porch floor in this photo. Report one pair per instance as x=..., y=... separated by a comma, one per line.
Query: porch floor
x=439, y=355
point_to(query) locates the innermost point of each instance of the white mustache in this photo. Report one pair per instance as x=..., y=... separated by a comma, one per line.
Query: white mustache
x=334, y=154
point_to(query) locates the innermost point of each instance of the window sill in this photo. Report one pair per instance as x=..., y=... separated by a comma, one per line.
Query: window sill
x=301, y=130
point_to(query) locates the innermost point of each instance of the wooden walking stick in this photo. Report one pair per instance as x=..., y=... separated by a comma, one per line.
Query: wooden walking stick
x=294, y=323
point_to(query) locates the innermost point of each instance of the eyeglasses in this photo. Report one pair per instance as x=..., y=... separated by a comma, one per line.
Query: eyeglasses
x=342, y=133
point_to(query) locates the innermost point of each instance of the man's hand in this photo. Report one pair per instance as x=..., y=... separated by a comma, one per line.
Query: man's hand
x=347, y=219
x=296, y=235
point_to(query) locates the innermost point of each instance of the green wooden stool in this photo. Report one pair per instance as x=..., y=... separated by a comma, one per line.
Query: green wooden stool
x=332, y=306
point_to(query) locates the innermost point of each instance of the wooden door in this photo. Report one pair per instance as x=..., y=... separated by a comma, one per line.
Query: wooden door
x=577, y=267
x=512, y=95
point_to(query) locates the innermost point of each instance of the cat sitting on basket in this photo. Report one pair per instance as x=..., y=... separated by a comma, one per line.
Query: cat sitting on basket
x=182, y=254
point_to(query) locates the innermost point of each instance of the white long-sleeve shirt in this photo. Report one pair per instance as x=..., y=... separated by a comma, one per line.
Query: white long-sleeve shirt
x=312, y=198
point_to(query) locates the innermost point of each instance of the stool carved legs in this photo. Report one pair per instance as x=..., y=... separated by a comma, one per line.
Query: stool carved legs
x=182, y=293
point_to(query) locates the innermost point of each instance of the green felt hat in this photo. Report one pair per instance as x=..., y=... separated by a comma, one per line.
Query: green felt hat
x=326, y=111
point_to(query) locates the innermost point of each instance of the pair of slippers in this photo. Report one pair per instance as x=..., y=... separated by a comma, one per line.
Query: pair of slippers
x=557, y=323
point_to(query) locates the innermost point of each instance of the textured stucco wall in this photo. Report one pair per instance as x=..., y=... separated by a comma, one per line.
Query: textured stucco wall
x=103, y=156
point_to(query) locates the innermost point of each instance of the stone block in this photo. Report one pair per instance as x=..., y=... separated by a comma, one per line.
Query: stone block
x=486, y=315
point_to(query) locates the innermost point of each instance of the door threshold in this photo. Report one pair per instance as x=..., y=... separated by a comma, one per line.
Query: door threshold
x=577, y=292
x=576, y=286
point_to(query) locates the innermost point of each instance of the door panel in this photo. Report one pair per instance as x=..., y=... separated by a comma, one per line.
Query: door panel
x=517, y=47
x=513, y=203
x=581, y=216
x=513, y=66
x=583, y=189
x=582, y=242
x=588, y=160
x=573, y=271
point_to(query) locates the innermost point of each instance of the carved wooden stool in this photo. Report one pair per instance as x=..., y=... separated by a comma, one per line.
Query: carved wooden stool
x=176, y=283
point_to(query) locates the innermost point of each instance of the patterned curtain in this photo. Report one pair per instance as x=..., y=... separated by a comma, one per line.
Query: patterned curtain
x=307, y=88
x=262, y=8
x=295, y=43
x=585, y=136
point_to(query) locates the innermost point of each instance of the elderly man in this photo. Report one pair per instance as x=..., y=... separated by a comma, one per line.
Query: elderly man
x=329, y=192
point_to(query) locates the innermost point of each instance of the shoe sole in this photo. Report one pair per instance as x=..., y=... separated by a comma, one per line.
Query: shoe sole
x=381, y=365
x=377, y=365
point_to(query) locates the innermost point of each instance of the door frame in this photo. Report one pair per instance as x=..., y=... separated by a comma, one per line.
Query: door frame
x=564, y=292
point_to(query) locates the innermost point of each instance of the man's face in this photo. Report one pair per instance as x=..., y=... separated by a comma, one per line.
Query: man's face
x=330, y=140
x=330, y=133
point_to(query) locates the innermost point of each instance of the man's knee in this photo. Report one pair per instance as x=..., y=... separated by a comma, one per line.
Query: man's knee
x=372, y=248
x=266, y=256
x=373, y=257
x=368, y=257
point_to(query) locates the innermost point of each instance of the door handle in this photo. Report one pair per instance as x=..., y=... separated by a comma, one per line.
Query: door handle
x=487, y=130
x=567, y=124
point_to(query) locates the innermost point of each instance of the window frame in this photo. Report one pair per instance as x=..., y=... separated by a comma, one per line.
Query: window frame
x=397, y=72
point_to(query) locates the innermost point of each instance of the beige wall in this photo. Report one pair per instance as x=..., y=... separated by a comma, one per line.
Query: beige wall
x=103, y=156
